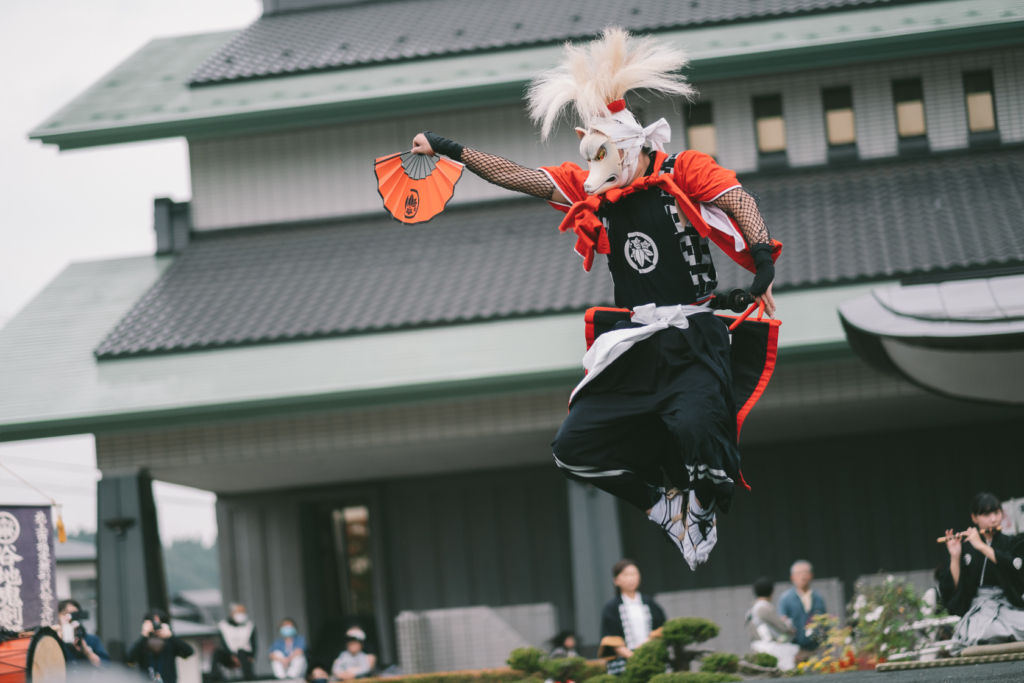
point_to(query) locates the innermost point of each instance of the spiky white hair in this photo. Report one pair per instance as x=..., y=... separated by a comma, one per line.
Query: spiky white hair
x=598, y=73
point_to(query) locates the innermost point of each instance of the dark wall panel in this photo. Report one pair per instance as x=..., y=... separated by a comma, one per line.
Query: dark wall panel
x=488, y=538
x=851, y=506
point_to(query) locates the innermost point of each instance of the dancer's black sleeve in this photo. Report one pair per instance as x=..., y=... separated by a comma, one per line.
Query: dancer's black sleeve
x=494, y=169
x=742, y=206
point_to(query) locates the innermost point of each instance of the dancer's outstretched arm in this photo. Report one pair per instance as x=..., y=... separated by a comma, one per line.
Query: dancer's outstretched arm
x=742, y=207
x=494, y=169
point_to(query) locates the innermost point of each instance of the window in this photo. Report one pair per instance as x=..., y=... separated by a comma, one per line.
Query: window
x=700, y=129
x=910, y=121
x=981, y=110
x=839, y=123
x=771, y=131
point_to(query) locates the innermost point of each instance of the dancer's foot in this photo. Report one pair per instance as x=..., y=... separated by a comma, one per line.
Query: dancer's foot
x=701, y=532
x=670, y=514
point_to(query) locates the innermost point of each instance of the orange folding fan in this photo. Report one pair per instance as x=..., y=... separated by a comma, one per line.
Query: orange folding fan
x=416, y=187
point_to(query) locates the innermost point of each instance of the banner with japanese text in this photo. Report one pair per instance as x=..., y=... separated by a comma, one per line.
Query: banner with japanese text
x=28, y=572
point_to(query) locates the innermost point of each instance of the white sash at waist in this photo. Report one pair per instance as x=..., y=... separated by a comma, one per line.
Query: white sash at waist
x=613, y=344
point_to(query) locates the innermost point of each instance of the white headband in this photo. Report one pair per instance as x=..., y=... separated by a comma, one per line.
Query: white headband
x=630, y=137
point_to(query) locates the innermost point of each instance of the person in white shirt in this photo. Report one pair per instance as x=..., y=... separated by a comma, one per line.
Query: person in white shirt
x=628, y=620
x=352, y=662
x=769, y=631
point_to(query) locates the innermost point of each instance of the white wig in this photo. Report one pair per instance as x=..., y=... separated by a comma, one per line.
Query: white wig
x=595, y=75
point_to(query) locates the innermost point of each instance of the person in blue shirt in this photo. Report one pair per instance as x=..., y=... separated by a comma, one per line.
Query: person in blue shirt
x=800, y=604
x=288, y=653
x=80, y=648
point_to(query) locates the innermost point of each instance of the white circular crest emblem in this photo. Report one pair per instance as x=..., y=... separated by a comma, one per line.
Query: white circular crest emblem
x=641, y=252
x=9, y=528
x=1017, y=562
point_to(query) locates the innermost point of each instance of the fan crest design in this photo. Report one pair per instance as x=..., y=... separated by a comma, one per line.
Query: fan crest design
x=416, y=187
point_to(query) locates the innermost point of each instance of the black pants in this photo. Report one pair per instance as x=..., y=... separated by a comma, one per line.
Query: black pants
x=225, y=659
x=664, y=408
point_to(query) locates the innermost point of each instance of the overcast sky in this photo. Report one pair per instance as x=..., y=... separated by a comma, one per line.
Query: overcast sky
x=56, y=208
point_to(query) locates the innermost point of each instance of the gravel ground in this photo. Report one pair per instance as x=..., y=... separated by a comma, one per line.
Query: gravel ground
x=1001, y=672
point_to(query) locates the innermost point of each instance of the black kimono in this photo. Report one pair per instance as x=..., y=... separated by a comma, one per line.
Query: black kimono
x=615, y=623
x=989, y=596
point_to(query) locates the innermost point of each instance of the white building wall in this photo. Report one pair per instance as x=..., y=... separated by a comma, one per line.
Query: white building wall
x=325, y=172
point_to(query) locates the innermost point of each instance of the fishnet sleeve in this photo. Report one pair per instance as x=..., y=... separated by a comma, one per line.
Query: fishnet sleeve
x=508, y=174
x=742, y=206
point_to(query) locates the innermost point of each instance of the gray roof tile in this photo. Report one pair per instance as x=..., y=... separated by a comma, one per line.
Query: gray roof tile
x=395, y=30
x=507, y=259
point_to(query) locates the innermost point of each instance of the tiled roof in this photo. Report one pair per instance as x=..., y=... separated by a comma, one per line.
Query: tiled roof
x=873, y=221
x=395, y=30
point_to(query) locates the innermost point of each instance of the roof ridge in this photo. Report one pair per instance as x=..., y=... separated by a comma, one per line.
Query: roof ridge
x=308, y=41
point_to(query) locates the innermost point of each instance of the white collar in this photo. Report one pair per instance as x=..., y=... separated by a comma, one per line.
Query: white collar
x=634, y=601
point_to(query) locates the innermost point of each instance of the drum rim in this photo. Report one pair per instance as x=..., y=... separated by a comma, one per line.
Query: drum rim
x=41, y=632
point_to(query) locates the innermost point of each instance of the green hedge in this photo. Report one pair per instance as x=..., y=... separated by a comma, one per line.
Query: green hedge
x=648, y=660
x=603, y=678
x=526, y=659
x=762, y=659
x=722, y=662
x=489, y=676
x=689, y=630
x=695, y=677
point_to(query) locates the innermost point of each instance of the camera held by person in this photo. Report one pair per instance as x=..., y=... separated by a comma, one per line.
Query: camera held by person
x=157, y=649
x=79, y=645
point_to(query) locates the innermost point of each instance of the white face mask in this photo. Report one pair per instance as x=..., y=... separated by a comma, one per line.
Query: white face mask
x=619, y=131
x=240, y=618
x=605, y=162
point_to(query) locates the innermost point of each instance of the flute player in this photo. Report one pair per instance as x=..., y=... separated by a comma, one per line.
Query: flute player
x=984, y=581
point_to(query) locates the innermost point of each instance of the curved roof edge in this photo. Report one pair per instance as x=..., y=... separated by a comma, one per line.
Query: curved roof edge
x=961, y=339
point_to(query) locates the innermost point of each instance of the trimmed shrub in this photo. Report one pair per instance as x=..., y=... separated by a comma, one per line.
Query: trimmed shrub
x=483, y=676
x=591, y=671
x=566, y=669
x=689, y=630
x=647, y=661
x=526, y=659
x=721, y=661
x=695, y=677
x=602, y=678
x=762, y=659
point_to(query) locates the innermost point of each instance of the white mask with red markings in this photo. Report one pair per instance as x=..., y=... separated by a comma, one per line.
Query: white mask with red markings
x=612, y=145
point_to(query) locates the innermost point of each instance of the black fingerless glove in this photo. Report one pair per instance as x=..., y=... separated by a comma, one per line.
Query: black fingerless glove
x=762, y=255
x=440, y=145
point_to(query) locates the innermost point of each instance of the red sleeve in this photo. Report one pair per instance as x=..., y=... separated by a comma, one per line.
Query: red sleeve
x=699, y=177
x=569, y=179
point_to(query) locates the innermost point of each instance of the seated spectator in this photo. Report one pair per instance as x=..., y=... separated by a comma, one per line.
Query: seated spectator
x=353, y=662
x=237, y=649
x=317, y=674
x=563, y=645
x=155, y=652
x=768, y=631
x=984, y=579
x=800, y=604
x=288, y=653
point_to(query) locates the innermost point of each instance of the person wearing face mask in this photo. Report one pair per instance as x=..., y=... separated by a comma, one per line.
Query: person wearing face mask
x=657, y=399
x=318, y=674
x=288, y=653
x=237, y=648
x=80, y=648
x=154, y=653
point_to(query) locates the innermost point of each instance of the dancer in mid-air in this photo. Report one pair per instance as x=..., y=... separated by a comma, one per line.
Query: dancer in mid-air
x=658, y=397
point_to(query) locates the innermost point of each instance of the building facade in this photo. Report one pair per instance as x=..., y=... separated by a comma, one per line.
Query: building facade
x=374, y=403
